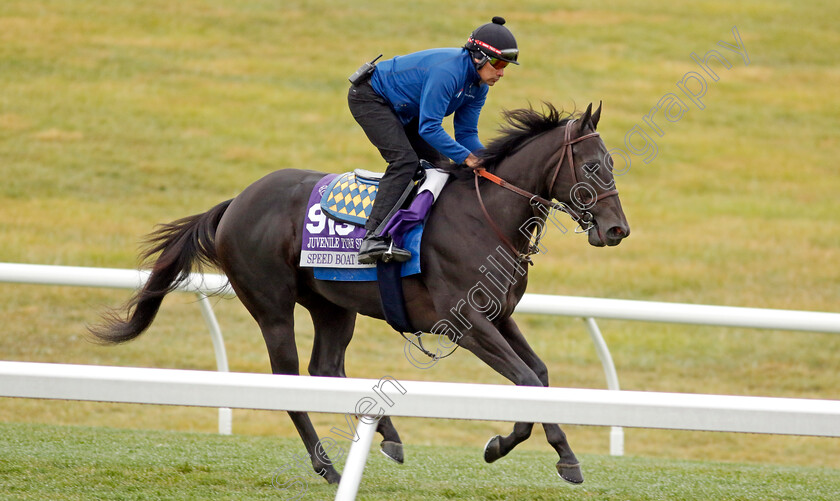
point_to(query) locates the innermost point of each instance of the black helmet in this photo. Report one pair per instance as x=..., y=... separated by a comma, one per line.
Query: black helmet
x=493, y=41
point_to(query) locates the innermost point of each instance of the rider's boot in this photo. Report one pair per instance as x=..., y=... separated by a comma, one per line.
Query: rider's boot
x=377, y=247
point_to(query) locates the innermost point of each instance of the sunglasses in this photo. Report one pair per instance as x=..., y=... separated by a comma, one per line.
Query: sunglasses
x=498, y=63
x=507, y=56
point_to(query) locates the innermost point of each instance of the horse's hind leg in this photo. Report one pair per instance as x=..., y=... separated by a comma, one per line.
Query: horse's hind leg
x=273, y=309
x=280, y=340
x=391, y=444
x=333, y=331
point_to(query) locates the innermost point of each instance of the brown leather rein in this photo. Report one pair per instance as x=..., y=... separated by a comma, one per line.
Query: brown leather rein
x=582, y=217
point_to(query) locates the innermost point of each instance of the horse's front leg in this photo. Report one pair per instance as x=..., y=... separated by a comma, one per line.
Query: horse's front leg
x=568, y=467
x=500, y=349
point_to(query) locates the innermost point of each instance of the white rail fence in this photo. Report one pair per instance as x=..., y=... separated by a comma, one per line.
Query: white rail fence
x=418, y=399
x=76, y=276
x=586, y=308
x=652, y=311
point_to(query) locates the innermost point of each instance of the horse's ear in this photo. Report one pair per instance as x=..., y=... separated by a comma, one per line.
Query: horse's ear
x=586, y=118
x=596, y=116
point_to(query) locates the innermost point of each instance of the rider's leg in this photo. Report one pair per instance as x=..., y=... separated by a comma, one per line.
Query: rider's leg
x=386, y=132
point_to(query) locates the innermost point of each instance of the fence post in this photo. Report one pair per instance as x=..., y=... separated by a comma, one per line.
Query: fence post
x=616, y=433
x=356, y=459
x=225, y=414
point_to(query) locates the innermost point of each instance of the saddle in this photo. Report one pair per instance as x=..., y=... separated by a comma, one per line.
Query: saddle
x=349, y=197
x=346, y=199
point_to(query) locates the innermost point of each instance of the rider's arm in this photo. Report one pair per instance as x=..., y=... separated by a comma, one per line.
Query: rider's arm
x=438, y=90
x=466, y=120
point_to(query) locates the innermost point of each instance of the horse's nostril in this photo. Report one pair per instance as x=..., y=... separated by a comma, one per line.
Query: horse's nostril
x=616, y=232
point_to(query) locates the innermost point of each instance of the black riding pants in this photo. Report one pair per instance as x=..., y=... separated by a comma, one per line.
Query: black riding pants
x=400, y=146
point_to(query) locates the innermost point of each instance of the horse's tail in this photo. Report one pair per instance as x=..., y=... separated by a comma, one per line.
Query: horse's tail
x=183, y=245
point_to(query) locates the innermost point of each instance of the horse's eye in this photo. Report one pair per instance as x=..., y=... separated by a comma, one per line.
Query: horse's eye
x=592, y=168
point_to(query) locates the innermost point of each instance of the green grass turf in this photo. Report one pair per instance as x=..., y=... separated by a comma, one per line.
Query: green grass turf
x=52, y=462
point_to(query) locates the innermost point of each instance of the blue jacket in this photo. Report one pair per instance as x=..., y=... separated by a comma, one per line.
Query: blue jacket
x=433, y=84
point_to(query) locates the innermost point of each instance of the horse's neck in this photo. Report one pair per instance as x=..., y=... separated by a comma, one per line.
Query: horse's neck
x=528, y=168
x=512, y=213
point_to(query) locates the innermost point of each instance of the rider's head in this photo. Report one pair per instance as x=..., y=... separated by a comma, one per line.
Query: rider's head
x=494, y=44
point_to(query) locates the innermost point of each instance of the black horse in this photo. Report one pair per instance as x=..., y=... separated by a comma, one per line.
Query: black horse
x=255, y=239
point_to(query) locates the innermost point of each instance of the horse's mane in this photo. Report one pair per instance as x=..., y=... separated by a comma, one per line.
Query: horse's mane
x=521, y=126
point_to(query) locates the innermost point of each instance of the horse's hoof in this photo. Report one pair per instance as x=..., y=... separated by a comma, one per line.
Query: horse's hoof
x=570, y=472
x=392, y=451
x=332, y=477
x=493, y=449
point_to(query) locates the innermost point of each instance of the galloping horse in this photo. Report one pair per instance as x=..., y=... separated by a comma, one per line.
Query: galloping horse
x=255, y=239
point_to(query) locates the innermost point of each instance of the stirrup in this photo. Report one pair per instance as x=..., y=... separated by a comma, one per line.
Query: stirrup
x=399, y=257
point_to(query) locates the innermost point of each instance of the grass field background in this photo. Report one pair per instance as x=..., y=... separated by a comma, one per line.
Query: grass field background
x=94, y=463
x=120, y=115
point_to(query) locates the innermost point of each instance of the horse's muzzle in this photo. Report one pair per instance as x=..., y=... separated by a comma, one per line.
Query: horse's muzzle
x=611, y=237
x=616, y=234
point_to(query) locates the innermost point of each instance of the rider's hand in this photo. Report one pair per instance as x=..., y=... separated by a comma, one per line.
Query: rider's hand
x=472, y=161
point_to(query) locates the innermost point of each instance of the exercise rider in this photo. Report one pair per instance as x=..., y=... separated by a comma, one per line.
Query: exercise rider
x=400, y=103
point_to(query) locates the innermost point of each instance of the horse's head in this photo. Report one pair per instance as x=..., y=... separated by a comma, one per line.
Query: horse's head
x=582, y=180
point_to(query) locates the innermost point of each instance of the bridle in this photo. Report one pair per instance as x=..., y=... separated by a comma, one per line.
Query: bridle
x=581, y=215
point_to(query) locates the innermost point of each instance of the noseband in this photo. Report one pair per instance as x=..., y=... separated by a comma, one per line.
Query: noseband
x=583, y=217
